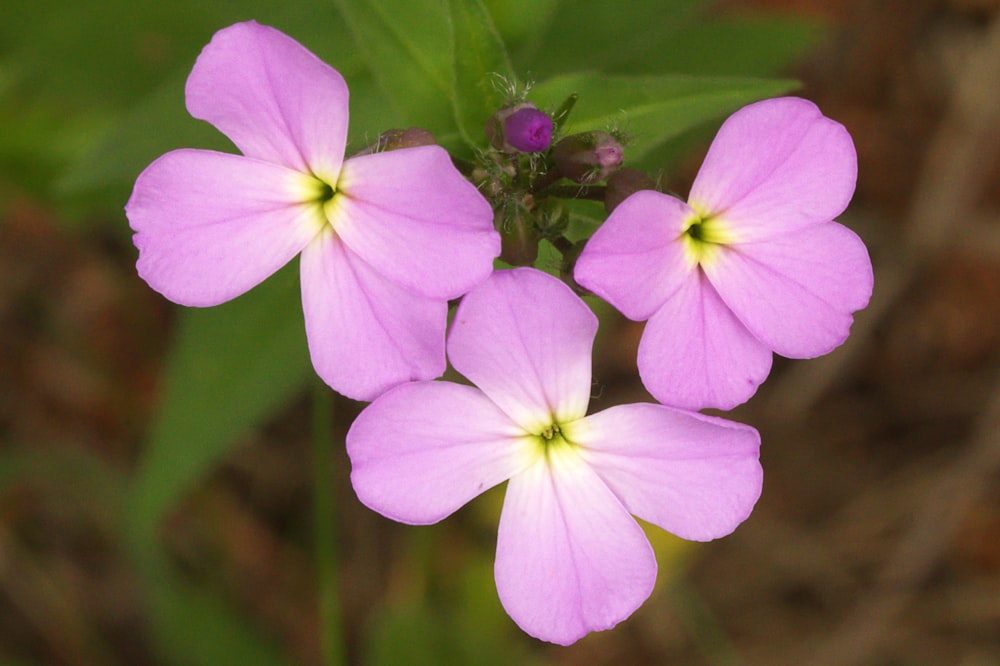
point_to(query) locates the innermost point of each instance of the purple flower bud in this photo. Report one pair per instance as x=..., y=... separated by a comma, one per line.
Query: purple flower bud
x=528, y=130
x=520, y=129
x=588, y=157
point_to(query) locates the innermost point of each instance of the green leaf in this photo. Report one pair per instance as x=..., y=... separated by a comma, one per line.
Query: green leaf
x=75, y=474
x=196, y=627
x=159, y=122
x=664, y=36
x=753, y=46
x=651, y=109
x=549, y=258
x=407, y=51
x=520, y=22
x=597, y=34
x=230, y=367
x=480, y=65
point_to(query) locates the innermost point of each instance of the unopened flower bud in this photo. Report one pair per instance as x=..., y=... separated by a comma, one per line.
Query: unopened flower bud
x=529, y=130
x=520, y=129
x=588, y=157
x=395, y=139
x=624, y=183
x=518, y=238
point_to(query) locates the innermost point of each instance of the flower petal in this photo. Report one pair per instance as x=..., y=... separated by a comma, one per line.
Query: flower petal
x=366, y=334
x=412, y=216
x=422, y=450
x=209, y=226
x=797, y=293
x=525, y=339
x=694, y=353
x=695, y=476
x=570, y=560
x=634, y=260
x=273, y=98
x=774, y=167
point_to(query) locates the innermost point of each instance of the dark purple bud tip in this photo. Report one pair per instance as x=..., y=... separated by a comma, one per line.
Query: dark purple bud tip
x=528, y=130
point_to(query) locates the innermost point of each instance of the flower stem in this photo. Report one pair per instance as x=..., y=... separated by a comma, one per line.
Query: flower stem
x=324, y=497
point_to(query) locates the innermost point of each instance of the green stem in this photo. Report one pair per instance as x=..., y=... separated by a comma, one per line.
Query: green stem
x=324, y=494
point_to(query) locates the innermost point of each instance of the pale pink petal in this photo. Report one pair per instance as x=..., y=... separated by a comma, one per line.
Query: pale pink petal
x=570, y=560
x=525, y=339
x=695, y=476
x=412, y=216
x=366, y=334
x=209, y=226
x=634, y=260
x=273, y=98
x=422, y=450
x=694, y=353
x=774, y=167
x=796, y=293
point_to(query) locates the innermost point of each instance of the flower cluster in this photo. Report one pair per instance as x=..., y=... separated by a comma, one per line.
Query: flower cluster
x=753, y=263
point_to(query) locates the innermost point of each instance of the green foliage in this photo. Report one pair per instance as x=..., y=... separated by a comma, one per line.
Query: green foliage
x=480, y=65
x=408, y=53
x=650, y=109
x=457, y=620
x=596, y=34
x=230, y=366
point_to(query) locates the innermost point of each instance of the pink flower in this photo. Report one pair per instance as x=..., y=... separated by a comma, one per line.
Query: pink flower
x=570, y=559
x=752, y=264
x=386, y=239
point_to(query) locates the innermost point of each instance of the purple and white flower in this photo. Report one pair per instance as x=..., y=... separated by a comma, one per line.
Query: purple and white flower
x=386, y=239
x=570, y=559
x=752, y=264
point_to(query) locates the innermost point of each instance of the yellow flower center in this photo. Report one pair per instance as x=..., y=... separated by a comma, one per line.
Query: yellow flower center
x=704, y=237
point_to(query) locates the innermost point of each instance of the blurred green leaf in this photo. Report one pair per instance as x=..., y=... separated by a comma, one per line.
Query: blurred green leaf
x=596, y=34
x=404, y=45
x=549, y=258
x=745, y=46
x=664, y=36
x=585, y=216
x=459, y=622
x=108, y=54
x=66, y=470
x=230, y=367
x=651, y=109
x=196, y=627
x=159, y=122
x=519, y=22
x=481, y=68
